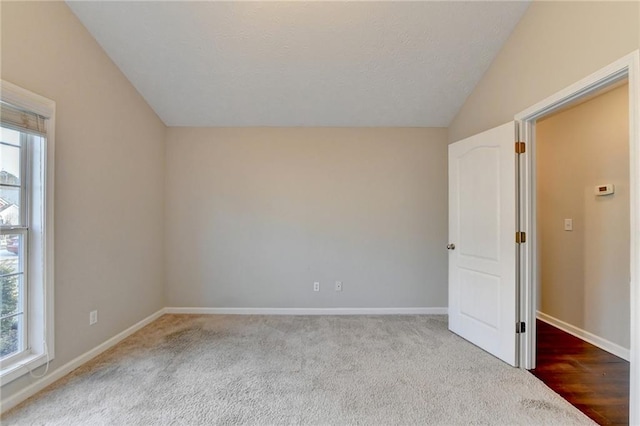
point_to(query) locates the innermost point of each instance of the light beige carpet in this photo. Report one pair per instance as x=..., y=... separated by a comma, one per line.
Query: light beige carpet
x=264, y=370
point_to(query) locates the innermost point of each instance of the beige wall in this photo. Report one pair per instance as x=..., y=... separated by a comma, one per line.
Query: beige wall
x=109, y=177
x=585, y=273
x=554, y=45
x=254, y=216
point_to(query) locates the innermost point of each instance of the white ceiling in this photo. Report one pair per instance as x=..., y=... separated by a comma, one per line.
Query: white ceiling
x=302, y=63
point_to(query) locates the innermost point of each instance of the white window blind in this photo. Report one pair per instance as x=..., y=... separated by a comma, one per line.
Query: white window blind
x=20, y=120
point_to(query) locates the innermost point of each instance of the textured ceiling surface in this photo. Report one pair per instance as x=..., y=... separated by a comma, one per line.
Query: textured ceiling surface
x=302, y=63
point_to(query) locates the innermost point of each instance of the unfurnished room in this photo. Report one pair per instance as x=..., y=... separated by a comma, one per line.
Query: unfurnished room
x=319, y=212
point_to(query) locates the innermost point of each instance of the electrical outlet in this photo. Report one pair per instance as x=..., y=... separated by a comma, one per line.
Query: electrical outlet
x=316, y=286
x=93, y=317
x=338, y=285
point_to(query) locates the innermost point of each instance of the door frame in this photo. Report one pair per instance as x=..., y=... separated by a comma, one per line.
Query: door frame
x=528, y=274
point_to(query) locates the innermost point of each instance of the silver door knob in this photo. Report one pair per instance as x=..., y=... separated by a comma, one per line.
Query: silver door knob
x=451, y=246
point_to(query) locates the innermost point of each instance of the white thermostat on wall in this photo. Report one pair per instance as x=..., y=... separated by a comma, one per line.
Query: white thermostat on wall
x=605, y=189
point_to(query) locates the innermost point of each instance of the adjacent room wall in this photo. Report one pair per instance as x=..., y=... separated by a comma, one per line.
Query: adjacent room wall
x=554, y=45
x=254, y=216
x=109, y=178
x=585, y=272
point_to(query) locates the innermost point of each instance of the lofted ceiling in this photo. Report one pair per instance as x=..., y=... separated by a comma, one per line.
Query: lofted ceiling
x=302, y=63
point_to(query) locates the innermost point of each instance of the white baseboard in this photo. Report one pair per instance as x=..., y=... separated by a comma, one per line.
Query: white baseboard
x=37, y=386
x=598, y=341
x=309, y=311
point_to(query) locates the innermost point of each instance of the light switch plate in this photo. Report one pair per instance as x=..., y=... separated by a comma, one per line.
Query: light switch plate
x=568, y=224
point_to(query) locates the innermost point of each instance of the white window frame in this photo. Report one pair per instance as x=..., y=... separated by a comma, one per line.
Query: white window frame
x=40, y=257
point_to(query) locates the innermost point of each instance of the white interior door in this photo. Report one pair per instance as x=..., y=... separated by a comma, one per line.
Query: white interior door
x=482, y=227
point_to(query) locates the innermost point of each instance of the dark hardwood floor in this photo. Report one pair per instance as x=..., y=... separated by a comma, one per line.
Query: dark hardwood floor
x=593, y=380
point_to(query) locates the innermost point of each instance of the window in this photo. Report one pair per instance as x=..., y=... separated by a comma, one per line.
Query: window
x=14, y=213
x=26, y=231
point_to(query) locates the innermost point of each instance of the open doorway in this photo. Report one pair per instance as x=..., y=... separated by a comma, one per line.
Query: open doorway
x=474, y=166
x=626, y=68
x=583, y=245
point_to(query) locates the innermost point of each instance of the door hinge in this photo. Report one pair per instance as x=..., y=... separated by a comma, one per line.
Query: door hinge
x=520, y=148
x=520, y=327
x=521, y=237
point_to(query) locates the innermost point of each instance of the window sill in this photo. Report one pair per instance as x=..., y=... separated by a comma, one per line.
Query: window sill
x=20, y=367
